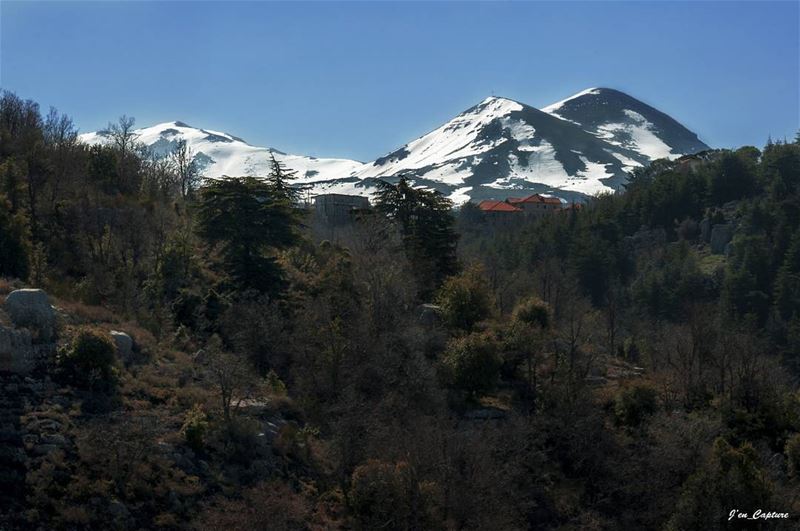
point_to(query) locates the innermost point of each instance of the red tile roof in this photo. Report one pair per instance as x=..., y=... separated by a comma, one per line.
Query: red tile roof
x=497, y=206
x=536, y=198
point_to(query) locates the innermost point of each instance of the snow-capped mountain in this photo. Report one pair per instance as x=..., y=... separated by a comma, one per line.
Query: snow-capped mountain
x=502, y=147
x=220, y=154
x=580, y=146
x=586, y=144
x=627, y=122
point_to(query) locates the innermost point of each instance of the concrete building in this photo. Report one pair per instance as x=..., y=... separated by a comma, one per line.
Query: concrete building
x=338, y=209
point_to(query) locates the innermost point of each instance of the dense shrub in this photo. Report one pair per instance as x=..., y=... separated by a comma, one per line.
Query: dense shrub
x=465, y=299
x=90, y=360
x=472, y=363
x=194, y=429
x=532, y=312
x=634, y=404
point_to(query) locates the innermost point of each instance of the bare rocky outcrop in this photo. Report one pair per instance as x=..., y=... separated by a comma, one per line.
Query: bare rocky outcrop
x=645, y=238
x=17, y=353
x=721, y=235
x=30, y=308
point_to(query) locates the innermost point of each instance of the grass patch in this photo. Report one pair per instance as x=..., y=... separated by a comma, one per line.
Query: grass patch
x=711, y=262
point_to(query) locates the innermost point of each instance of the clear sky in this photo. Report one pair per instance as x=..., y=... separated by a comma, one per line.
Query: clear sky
x=357, y=80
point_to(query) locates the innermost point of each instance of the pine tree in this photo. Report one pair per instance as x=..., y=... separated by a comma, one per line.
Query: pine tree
x=279, y=177
x=426, y=224
x=249, y=221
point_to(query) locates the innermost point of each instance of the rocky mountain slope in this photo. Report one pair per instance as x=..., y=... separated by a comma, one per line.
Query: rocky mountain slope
x=627, y=122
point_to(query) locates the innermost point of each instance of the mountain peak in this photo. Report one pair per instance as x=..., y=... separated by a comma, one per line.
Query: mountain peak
x=626, y=122
x=499, y=98
x=557, y=105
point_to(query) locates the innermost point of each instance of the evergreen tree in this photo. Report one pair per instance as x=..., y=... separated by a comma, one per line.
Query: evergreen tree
x=279, y=177
x=732, y=178
x=787, y=283
x=13, y=247
x=249, y=221
x=426, y=224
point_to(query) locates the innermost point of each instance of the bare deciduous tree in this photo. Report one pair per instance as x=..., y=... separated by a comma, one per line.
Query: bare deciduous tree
x=186, y=169
x=230, y=374
x=123, y=138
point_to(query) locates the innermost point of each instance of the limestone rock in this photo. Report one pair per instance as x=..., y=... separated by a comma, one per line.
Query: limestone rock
x=30, y=308
x=705, y=230
x=429, y=314
x=721, y=235
x=16, y=351
x=124, y=344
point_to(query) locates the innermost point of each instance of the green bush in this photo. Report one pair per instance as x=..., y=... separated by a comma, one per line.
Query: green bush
x=472, y=363
x=275, y=384
x=465, y=299
x=634, y=404
x=194, y=428
x=532, y=312
x=90, y=360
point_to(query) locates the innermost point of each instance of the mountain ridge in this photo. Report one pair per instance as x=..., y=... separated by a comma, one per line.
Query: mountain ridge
x=585, y=144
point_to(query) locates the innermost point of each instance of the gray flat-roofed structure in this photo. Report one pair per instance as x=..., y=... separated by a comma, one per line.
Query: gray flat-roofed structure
x=336, y=209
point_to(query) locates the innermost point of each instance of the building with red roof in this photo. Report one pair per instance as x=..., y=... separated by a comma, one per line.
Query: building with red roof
x=536, y=204
x=490, y=205
x=533, y=205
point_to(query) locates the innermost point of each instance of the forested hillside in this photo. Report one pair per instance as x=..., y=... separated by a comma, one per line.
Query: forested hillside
x=631, y=364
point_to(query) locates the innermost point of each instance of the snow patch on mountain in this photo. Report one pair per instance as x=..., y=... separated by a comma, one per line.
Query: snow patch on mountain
x=629, y=164
x=553, y=108
x=221, y=154
x=457, y=139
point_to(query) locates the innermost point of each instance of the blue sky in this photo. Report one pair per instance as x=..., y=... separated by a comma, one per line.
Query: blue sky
x=357, y=80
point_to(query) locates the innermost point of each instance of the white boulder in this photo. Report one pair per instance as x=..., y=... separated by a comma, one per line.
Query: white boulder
x=30, y=308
